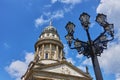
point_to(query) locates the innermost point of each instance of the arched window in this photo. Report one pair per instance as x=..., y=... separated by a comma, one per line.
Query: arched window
x=46, y=56
x=59, y=54
x=47, y=47
x=53, y=47
x=47, y=34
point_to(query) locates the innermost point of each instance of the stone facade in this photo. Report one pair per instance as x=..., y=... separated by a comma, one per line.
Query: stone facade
x=49, y=61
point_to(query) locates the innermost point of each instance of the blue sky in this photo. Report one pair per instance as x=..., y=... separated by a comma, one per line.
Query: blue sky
x=22, y=21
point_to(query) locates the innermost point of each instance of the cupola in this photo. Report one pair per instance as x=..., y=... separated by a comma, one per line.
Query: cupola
x=49, y=48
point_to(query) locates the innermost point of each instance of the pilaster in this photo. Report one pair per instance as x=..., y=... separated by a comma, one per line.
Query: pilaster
x=57, y=51
x=42, y=55
x=50, y=51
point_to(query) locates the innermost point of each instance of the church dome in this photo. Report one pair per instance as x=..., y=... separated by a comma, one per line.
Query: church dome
x=50, y=29
x=49, y=32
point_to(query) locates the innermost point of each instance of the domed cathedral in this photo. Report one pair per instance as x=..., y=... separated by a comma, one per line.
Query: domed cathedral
x=49, y=60
x=49, y=49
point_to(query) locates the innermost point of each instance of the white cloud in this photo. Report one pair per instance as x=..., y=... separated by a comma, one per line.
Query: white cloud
x=68, y=9
x=92, y=25
x=47, y=6
x=82, y=68
x=111, y=9
x=29, y=57
x=87, y=62
x=50, y=16
x=70, y=1
x=117, y=36
x=57, y=14
x=67, y=1
x=83, y=62
x=118, y=76
x=6, y=45
x=109, y=60
x=40, y=21
x=53, y=1
x=71, y=60
x=80, y=56
x=66, y=48
x=17, y=68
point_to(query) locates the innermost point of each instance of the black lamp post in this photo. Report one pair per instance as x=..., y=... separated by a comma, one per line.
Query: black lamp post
x=91, y=48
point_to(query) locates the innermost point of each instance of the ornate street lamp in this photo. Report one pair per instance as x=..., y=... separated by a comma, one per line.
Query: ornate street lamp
x=84, y=18
x=70, y=27
x=91, y=48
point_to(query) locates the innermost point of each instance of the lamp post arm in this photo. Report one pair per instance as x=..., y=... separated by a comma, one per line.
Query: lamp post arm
x=110, y=39
x=72, y=48
x=81, y=41
x=99, y=36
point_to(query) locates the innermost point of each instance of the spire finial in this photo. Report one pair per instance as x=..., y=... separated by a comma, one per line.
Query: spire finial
x=50, y=22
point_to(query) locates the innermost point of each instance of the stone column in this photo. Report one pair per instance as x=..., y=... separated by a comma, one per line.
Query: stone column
x=50, y=56
x=36, y=53
x=57, y=51
x=42, y=55
x=37, y=49
x=61, y=54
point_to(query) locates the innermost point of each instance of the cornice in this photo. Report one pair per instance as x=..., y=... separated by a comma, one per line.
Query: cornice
x=45, y=41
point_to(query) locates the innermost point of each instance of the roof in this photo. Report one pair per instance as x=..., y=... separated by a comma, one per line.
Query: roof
x=50, y=29
x=42, y=66
x=38, y=68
